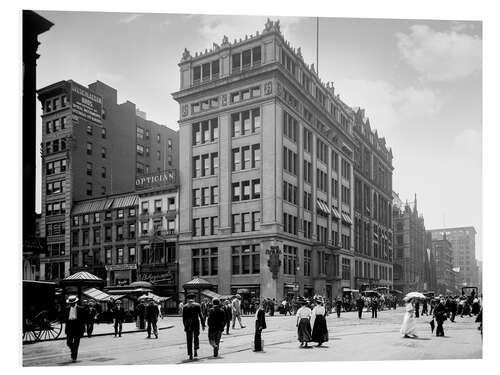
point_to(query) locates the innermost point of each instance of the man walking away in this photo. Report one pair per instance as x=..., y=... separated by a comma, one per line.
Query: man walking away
x=338, y=307
x=440, y=316
x=227, y=314
x=236, y=311
x=374, y=307
x=75, y=325
x=91, y=317
x=417, y=309
x=192, y=317
x=216, y=322
x=360, y=303
x=140, y=312
x=152, y=318
x=272, y=306
x=424, y=307
x=118, y=318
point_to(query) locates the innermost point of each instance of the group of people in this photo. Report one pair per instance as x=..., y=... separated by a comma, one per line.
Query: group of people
x=441, y=309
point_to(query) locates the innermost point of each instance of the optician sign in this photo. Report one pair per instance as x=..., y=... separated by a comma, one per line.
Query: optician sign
x=156, y=180
x=86, y=104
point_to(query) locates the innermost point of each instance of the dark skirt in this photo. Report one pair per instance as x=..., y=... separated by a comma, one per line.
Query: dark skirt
x=257, y=340
x=320, y=331
x=304, y=330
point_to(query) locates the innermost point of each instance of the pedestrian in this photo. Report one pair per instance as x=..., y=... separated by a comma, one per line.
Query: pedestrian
x=75, y=325
x=236, y=311
x=191, y=318
x=151, y=315
x=360, y=303
x=452, y=308
x=475, y=306
x=91, y=316
x=338, y=306
x=408, y=328
x=374, y=307
x=228, y=314
x=272, y=304
x=417, y=309
x=303, y=325
x=216, y=321
x=440, y=316
x=118, y=318
x=181, y=306
x=425, y=308
x=140, y=311
x=318, y=323
x=260, y=324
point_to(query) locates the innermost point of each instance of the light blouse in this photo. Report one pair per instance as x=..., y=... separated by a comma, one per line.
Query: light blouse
x=304, y=312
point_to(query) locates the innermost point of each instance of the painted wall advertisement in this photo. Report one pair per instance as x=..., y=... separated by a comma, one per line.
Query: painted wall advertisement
x=86, y=104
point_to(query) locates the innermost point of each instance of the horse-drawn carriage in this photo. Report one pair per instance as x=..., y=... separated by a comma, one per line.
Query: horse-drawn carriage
x=41, y=311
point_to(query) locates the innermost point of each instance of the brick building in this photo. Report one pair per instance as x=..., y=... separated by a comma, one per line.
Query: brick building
x=442, y=250
x=372, y=207
x=266, y=184
x=90, y=149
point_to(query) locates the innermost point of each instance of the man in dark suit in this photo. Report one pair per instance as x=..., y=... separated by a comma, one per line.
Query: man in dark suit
x=338, y=306
x=260, y=324
x=152, y=318
x=216, y=322
x=374, y=307
x=91, y=313
x=192, y=317
x=440, y=316
x=360, y=303
x=118, y=317
x=228, y=314
x=75, y=318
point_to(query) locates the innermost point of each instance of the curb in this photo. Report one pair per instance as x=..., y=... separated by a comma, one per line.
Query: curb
x=99, y=334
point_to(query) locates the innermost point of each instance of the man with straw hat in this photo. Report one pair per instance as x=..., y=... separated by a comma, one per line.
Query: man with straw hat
x=75, y=325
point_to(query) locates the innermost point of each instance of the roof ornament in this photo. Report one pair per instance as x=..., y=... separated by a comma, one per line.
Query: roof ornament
x=268, y=26
x=312, y=68
x=225, y=41
x=277, y=26
x=299, y=53
x=186, y=55
x=216, y=47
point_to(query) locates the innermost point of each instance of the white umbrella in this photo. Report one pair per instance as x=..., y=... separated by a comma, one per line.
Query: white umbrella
x=414, y=295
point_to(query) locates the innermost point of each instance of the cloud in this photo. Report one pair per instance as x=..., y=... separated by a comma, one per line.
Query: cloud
x=469, y=141
x=213, y=28
x=130, y=18
x=440, y=56
x=388, y=107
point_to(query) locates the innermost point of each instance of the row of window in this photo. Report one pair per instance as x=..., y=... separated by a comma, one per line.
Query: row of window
x=246, y=94
x=290, y=223
x=205, y=131
x=56, y=249
x=245, y=190
x=205, y=226
x=290, y=162
x=245, y=222
x=247, y=58
x=90, y=150
x=206, y=165
x=205, y=196
x=206, y=71
x=56, y=103
x=290, y=126
x=158, y=205
x=55, y=125
x=120, y=234
x=246, y=157
x=56, y=167
x=55, y=229
x=90, y=169
x=290, y=193
x=205, y=105
x=204, y=261
x=55, y=146
x=321, y=180
x=245, y=122
x=90, y=130
x=245, y=260
x=108, y=215
x=55, y=187
x=55, y=208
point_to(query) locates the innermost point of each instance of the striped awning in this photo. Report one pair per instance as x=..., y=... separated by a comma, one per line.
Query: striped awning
x=346, y=218
x=108, y=204
x=83, y=276
x=97, y=294
x=87, y=207
x=323, y=207
x=336, y=213
x=126, y=201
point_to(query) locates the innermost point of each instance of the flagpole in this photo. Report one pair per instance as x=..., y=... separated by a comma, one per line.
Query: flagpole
x=317, y=45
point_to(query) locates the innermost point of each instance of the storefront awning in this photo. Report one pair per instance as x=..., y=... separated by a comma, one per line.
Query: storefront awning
x=97, y=294
x=346, y=218
x=336, y=213
x=323, y=207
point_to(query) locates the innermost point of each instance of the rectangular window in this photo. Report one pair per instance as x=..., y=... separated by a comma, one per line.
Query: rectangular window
x=236, y=191
x=256, y=156
x=89, y=148
x=235, y=165
x=89, y=188
x=255, y=220
x=131, y=231
x=256, y=188
x=103, y=152
x=145, y=207
x=196, y=198
x=236, y=223
x=246, y=190
x=245, y=151
x=214, y=195
x=131, y=255
x=119, y=232
x=214, y=163
x=158, y=205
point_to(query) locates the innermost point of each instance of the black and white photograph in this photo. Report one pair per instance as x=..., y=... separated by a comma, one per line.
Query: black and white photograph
x=229, y=188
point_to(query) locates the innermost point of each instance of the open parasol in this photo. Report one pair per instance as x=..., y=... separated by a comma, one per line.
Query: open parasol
x=411, y=295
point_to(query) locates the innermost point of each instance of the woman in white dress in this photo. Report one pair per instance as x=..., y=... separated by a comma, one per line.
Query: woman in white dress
x=408, y=328
x=304, y=324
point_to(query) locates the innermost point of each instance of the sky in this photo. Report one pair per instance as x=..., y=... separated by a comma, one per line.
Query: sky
x=419, y=81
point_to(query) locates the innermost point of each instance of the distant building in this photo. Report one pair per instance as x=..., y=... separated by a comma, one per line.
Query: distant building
x=373, y=240
x=463, y=245
x=409, y=248
x=92, y=147
x=442, y=249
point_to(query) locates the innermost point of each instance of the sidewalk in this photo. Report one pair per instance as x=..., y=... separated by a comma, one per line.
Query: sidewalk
x=107, y=329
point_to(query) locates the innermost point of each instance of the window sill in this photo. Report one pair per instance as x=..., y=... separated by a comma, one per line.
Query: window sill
x=245, y=170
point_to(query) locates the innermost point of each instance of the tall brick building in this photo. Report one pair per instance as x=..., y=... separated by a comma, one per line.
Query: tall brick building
x=373, y=241
x=90, y=149
x=266, y=191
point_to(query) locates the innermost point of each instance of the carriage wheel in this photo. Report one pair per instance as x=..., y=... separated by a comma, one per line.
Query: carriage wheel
x=30, y=336
x=50, y=330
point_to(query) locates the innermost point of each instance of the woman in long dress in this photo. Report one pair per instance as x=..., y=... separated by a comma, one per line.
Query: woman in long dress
x=304, y=324
x=408, y=328
x=318, y=322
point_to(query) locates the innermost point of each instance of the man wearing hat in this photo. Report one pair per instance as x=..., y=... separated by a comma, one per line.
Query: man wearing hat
x=191, y=317
x=236, y=310
x=75, y=325
x=152, y=318
x=91, y=314
x=216, y=322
